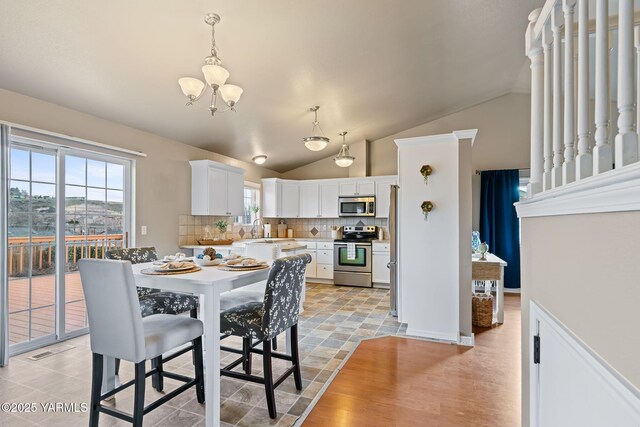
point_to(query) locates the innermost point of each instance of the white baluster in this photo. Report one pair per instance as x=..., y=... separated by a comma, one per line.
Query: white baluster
x=636, y=33
x=602, y=153
x=584, y=161
x=569, y=165
x=558, y=159
x=627, y=139
x=547, y=42
x=534, y=52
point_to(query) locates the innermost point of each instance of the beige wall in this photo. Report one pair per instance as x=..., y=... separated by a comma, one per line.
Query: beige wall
x=163, y=178
x=321, y=169
x=584, y=270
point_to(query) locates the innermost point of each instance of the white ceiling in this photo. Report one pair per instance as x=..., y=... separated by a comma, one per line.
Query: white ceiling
x=375, y=67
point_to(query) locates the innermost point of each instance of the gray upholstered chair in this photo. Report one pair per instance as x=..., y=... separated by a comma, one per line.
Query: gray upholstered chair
x=155, y=301
x=265, y=320
x=117, y=329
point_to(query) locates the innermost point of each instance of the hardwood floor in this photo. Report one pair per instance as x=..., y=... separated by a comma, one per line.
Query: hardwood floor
x=396, y=381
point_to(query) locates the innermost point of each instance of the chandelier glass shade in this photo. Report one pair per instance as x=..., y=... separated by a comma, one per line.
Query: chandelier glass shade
x=215, y=76
x=344, y=159
x=318, y=141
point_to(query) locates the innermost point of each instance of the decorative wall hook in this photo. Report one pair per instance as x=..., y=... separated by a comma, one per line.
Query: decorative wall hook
x=427, y=206
x=426, y=170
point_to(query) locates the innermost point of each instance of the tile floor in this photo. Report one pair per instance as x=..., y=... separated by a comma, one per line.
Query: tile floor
x=334, y=321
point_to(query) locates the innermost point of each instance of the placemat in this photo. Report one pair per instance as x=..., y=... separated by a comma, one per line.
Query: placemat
x=260, y=267
x=154, y=272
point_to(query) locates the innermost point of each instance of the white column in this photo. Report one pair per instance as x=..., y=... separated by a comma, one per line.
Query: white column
x=627, y=139
x=569, y=165
x=558, y=158
x=548, y=108
x=636, y=34
x=535, y=54
x=584, y=161
x=602, y=153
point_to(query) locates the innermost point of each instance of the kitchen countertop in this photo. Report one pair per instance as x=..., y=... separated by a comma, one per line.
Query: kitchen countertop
x=253, y=241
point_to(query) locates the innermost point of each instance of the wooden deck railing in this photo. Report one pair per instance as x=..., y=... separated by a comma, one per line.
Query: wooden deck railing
x=43, y=251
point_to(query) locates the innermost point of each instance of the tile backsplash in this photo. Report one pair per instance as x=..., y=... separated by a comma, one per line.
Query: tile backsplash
x=191, y=228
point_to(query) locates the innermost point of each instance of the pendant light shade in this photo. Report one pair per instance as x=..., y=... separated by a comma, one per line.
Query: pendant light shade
x=344, y=159
x=230, y=94
x=215, y=75
x=192, y=88
x=318, y=141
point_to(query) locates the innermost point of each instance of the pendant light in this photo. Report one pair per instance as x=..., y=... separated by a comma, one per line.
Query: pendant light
x=344, y=159
x=318, y=141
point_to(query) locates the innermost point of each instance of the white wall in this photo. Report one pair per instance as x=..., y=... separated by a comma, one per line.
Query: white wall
x=432, y=267
x=163, y=177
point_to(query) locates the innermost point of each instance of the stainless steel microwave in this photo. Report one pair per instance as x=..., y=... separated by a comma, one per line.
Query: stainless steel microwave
x=357, y=206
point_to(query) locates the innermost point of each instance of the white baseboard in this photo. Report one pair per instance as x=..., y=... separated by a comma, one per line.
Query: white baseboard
x=511, y=290
x=437, y=336
x=467, y=340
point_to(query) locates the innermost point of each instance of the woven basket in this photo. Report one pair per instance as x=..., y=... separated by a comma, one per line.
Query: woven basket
x=482, y=310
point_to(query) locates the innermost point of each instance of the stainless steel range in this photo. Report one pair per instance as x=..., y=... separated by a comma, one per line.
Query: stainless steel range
x=352, y=256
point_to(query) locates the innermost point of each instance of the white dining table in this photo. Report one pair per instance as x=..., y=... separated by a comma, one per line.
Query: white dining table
x=208, y=284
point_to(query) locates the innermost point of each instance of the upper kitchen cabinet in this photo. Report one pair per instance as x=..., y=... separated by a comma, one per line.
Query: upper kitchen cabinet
x=358, y=188
x=329, y=193
x=216, y=189
x=383, y=193
x=280, y=198
x=309, y=200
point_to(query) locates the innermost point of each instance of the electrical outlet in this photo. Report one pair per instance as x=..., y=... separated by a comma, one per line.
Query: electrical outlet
x=143, y=230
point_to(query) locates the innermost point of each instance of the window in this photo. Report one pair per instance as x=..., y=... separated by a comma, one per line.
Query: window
x=251, y=203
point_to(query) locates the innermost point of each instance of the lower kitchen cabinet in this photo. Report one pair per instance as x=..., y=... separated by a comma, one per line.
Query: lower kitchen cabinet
x=380, y=273
x=324, y=271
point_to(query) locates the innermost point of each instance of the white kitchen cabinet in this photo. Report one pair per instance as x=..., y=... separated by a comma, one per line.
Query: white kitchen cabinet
x=216, y=189
x=329, y=193
x=383, y=193
x=290, y=201
x=358, y=188
x=380, y=272
x=311, y=250
x=309, y=200
x=325, y=271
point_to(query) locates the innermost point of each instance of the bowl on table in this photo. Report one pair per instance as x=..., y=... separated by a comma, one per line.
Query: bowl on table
x=203, y=262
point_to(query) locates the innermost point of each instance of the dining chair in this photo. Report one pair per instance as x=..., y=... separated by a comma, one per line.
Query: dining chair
x=155, y=301
x=117, y=329
x=262, y=321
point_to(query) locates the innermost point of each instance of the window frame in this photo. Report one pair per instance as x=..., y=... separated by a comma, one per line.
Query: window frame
x=239, y=220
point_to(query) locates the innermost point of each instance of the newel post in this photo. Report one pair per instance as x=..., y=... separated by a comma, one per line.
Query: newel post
x=535, y=54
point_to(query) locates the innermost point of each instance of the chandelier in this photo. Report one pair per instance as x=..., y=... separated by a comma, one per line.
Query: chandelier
x=316, y=142
x=344, y=159
x=215, y=77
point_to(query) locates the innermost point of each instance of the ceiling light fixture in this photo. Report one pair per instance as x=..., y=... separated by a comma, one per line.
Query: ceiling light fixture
x=318, y=141
x=344, y=159
x=260, y=159
x=215, y=76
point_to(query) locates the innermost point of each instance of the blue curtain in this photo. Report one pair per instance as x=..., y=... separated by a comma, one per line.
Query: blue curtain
x=499, y=225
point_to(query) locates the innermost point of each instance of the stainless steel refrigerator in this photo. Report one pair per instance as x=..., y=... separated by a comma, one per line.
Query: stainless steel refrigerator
x=393, y=259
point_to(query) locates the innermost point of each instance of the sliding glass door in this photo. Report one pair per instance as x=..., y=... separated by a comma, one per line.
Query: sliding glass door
x=64, y=205
x=32, y=243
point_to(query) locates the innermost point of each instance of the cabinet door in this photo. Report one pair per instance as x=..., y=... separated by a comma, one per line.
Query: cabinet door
x=309, y=200
x=290, y=202
x=380, y=272
x=348, y=188
x=329, y=194
x=366, y=188
x=217, y=191
x=312, y=266
x=269, y=198
x=324, y=271
x=383, y=192
x=235, y=196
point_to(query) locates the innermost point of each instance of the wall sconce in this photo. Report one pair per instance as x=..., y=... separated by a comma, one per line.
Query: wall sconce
x=426, y=170
x=427, y=206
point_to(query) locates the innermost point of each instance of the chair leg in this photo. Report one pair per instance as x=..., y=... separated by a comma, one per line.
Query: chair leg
x=96, y=389
x=197, y=355
x=157, y=380
x=274, y=343
x=295, y=355
x=117, y=366
x=138, y=400
x=193, y=313
x=247, y=358
x=268, y=378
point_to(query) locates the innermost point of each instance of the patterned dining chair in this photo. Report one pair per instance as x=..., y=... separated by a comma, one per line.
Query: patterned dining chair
x=265, y=320
x=155, y=301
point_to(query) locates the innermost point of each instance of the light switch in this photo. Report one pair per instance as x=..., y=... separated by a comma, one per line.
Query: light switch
x=143, y=230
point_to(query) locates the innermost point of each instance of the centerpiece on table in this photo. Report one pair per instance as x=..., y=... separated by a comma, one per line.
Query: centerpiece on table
x=221, y=240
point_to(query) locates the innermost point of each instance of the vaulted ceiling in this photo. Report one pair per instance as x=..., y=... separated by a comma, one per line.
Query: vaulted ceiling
x=375, y=67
